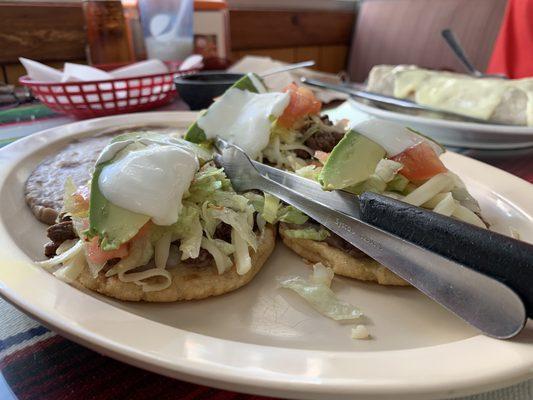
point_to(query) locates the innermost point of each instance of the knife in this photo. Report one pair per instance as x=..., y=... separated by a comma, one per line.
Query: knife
x=507, y=260
x=394, y=103
x=480, y=300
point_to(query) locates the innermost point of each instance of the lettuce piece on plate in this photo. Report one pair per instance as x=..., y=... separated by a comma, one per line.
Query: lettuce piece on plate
x=316, y=291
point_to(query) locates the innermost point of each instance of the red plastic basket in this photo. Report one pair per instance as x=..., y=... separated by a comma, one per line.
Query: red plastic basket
x=105, y=97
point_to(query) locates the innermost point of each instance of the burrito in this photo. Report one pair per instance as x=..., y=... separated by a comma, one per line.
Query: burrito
x=506, y=101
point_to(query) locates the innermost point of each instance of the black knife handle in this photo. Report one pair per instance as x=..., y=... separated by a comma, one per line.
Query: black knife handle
x=503, y=258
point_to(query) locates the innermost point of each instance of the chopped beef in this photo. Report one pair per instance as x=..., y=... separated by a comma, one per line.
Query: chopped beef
x=336, y=241
x=324, y=141
x=333, y=239
x=58, y=233
x=112, y=262
x=61, y=231
x=304, y=155
x=325, y=120
x=223, y=232
x=50, y=249
x=64, y=217
x=204, y=259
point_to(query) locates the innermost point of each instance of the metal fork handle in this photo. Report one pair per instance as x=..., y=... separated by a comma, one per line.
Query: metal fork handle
x=387, y=101
x=459, y=52
x=287, y=68
x=481, y=301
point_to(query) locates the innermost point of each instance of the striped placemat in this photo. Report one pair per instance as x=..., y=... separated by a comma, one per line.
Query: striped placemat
x=39, y=364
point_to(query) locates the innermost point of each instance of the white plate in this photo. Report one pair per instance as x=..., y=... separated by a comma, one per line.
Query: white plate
x=458, y=134
x=262, y=339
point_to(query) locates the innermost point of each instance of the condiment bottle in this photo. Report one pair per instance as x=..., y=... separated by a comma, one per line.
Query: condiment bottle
x=134, y=29
x=107, y=39
x=211, y=28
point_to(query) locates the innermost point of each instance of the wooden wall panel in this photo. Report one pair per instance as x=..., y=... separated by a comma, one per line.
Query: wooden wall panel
x=267, y=29
x=41, y=31
x=285, y=54
x=328, y=58
x=333, y=58
x=408, y=32
x=307, y=53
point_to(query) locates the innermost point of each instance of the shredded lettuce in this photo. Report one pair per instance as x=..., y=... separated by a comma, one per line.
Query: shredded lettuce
x=309, y=171
x=360, y=332
x=276, y=212
x=461, y=194
x=317, y=293
x=230, y=200
x=374, y=183
x=225, y=247
x=270, y=208
x=140, y=278
x=308, y=233
x=191, y=233
x=141, y=252
x=322, y=275
x=238, y=221
x=398, y=183
x=446, y=206
x=291, y=215
x=72, y=268
x=437, y=184
x=243, y=261
x=386, y=172
x=161, y=251
x=464, y=214
x=69, y=204
x=387, y=169
x=63, y=257
x=208, y=222
x=222, y=261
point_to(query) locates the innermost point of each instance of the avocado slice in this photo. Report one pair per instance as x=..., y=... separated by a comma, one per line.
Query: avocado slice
x=352, y=161
x=112, y=224
x=195, y=134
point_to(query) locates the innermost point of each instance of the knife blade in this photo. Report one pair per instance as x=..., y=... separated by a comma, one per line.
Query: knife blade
x=340, y=201
x=506, y=259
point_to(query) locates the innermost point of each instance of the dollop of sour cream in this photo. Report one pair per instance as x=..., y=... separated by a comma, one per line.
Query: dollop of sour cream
x=150, y=181
x=243, y=118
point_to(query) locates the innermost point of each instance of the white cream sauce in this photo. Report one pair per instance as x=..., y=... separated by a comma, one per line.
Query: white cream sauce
x=150, y=180
x=486, y=98
x=243, y=118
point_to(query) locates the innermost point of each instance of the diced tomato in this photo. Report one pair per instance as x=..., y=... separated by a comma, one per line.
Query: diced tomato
x=81, y=197
x=98, y=256
x=303, y=102
x=321, y=156
x=420, y=162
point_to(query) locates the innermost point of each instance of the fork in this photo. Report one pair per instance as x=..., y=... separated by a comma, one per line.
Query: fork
x=481, y=301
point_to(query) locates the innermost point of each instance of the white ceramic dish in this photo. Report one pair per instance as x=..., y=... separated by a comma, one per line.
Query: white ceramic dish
x=458, y=134
x=262, y=339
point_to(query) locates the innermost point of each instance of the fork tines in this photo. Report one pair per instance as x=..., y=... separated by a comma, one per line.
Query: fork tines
x=221, y=144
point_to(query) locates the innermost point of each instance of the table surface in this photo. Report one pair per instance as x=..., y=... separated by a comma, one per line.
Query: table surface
x=36, y=363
